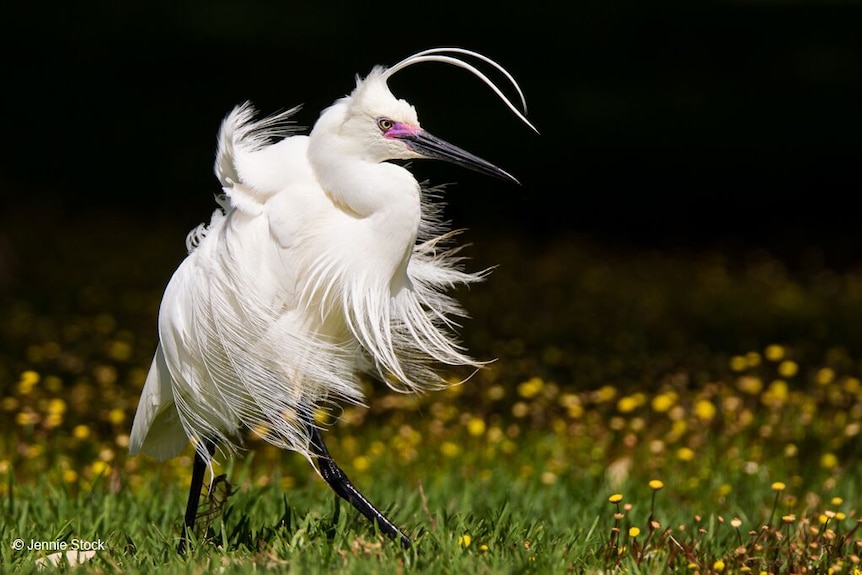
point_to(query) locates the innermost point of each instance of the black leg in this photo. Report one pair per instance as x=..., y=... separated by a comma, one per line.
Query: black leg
x=337, y=479
x=198, y=468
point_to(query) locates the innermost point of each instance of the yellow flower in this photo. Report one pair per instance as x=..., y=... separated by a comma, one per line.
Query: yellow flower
x=321, y=416
x=520, y=409
x=549, y=477
x=81, y=432
x=116, y=416
x=53, y=420
x=685, y=453
x=787, y=368
x=738, y=363
x=450, y=449
x=34, y=451
x=705, y=410
x=100, y=467
x=27, y=381
x=777, y=393
x=465, y=540
x=718, y=566
x=750, y=384
x=531, y=388
x=615, y=498
x=634, y=532
x=56, y=406
x=629, y=403
x=753, y=358
x=361, y=463
x=836, y=501
x=663, y=402
x=829, y=461
x=774, y=352
x=476, y=426
x=120, y=350
x=605, y=393
x=27, y=418
x=656, y=484
x=825, y=375
x=778, y=486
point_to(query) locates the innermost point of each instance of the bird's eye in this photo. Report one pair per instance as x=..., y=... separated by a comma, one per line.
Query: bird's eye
x=385, y=124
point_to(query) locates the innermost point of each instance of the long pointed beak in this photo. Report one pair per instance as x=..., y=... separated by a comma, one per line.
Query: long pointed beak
x=431, y=146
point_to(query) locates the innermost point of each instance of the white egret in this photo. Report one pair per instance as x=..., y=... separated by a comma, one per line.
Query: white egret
x=323, y=261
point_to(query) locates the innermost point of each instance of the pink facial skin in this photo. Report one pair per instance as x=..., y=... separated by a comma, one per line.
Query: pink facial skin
x=401, y=130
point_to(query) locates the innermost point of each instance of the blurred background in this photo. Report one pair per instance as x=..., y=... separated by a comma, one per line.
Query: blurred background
x=687, y=215
x=662, y=124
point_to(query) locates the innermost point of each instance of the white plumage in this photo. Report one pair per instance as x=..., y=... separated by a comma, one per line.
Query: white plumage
x=322, y=261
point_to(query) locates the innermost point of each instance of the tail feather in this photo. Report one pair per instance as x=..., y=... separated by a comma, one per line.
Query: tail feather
x=241, y=135
x=157, y=430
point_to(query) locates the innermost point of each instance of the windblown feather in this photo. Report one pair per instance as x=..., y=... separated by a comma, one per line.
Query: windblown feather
x=323, y=261
x=241, y=355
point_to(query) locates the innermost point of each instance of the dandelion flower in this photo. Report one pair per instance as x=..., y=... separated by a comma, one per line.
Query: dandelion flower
x=627, y=404
x=531, y=388
x=605, y=393
x=738, y=363
x=476, y=426
x=450, y=449
x=634, y=532
x=663, y=402
x=774, y=352
x=829, y=461
x=116, y=416
x=656, y=484
x=685, y=453
x=778, y=486
x=705, y=410
x=465, y=540
x=28, y=380
x=788, y=368
x=718, y=566
x=825, y=375
x=615, y=498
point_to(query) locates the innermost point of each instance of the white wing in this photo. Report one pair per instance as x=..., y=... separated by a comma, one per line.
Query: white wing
x=157, y=430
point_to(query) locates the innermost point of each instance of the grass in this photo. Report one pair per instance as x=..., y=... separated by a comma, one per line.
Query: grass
x=649, y=411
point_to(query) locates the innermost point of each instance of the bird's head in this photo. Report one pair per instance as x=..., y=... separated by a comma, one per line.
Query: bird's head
x=380, y=127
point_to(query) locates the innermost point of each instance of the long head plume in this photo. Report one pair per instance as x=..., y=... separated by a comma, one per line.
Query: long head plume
x=444, y=55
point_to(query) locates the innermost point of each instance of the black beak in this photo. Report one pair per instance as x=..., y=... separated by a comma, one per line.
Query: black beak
x=430, y=146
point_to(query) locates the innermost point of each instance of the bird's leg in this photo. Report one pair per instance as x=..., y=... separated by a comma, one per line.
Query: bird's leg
x=337, y=479
x=198, y=468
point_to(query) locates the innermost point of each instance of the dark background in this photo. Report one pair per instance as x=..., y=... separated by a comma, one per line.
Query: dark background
x=661, y=125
